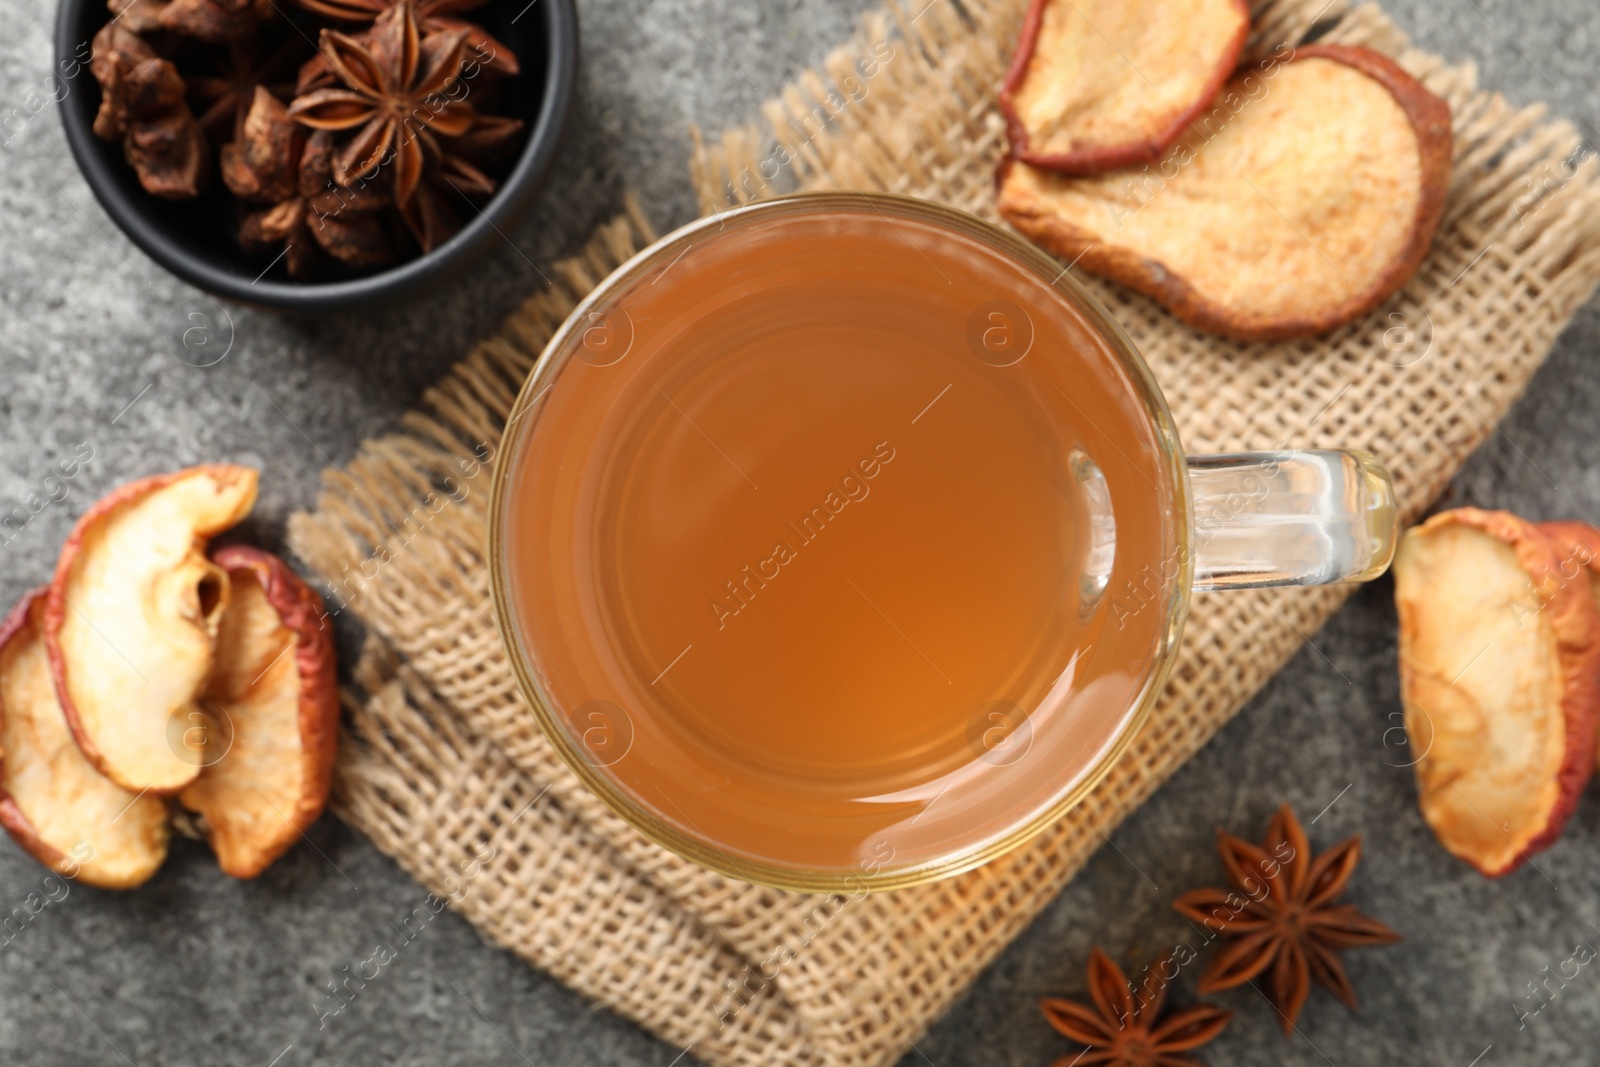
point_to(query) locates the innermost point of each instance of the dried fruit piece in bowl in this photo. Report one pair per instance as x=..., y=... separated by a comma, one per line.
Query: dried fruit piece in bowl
x=1297, y=204
x=53, y=803
x=1500, y=678
x=1099, y=84
x=216, y=21
x=263, y=164
x=272, y=715
x=132, y=617
x=142, y=105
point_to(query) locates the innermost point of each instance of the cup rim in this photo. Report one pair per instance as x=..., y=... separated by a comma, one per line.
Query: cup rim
x=706, y=853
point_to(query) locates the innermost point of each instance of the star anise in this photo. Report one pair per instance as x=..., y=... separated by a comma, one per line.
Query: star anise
x=451, y=171
x=228, y=94
x=395, y=86
x=1124, y=1028
x=429, y=217
x=317, y=73
x=343, y=220
x=488, y=140
x=275, y=163
x=435, y=16
x=1281, y=916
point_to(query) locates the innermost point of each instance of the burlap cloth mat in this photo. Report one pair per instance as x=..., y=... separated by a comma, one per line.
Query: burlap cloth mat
x=441, y=760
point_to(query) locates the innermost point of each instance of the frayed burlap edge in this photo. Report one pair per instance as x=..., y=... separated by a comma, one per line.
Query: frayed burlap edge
x=908, y=106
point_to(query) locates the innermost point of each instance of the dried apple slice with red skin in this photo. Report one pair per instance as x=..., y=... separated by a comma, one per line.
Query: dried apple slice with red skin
x=132, y=615
x=273, y=703
x=1297, y=205
x=1500, y=678
x=1579, y=546
x=1101, y=84
x=53, y=803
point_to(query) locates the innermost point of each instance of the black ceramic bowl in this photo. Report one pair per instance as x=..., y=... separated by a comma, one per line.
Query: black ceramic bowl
x=195, y=239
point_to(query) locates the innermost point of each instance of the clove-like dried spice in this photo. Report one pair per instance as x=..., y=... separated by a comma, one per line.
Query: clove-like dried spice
x=142, y=104
x=216, y=21
x=264, y=163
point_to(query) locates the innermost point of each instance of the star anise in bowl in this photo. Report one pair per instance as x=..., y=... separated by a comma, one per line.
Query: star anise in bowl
x=302, y=212
x=370, y=157
x=1281, y=919
x=435, y=16
x=397, y=105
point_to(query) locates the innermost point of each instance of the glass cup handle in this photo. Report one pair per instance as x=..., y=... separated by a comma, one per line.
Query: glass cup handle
x=1290, y=518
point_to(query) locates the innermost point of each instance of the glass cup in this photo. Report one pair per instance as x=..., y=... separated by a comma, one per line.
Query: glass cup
x=1208, y=522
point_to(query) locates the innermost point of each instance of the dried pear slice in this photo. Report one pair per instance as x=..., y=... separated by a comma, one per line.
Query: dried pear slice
x=1099, y=84
x=1298, y=203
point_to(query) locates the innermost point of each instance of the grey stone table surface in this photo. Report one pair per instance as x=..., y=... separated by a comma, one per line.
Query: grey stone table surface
x=197, y=968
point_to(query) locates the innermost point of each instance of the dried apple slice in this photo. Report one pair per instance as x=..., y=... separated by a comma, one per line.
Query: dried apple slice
x=1098, y=84
x=1297, y=204
x=53, y=803
x=1578, y=545
x=273, y=709
x=1500, y=679
x=1578, y=548
x=132, y=615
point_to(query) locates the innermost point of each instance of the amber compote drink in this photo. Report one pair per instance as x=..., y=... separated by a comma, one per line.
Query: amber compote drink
x=838, y=541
